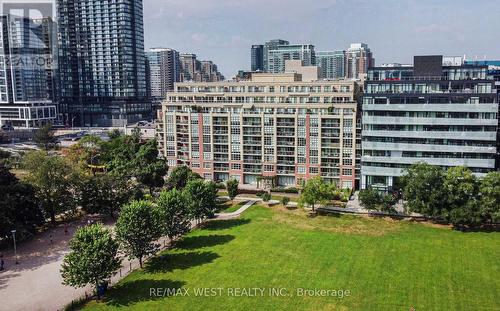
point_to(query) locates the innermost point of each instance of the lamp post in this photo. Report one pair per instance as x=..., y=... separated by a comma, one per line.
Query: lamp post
x=15, y=248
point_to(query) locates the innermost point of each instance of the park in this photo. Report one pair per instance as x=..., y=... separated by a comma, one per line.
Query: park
x=385, y=265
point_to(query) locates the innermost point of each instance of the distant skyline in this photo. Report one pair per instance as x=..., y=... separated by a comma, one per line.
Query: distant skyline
x=395, y=30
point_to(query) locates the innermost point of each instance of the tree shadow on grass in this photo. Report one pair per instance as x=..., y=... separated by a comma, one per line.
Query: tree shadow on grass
x=141, y=290
x=194, y=242
x=171, y=261
x=224, y=224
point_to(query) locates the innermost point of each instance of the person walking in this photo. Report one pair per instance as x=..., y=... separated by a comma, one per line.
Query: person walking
x=2, y=263
x=51, y=239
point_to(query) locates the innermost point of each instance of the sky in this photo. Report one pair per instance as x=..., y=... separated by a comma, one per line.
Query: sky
x=395, y=30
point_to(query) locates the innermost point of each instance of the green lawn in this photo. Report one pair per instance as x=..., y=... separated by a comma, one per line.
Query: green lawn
x=385, y=264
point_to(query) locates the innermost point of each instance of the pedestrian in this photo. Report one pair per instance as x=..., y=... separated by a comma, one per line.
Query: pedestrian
x=66, y=229
x=51, y=240
x=2, y=263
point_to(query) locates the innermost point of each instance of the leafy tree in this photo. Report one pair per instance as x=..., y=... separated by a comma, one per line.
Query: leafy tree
x=130, y=156
x=201, y=197
x=462, y=197
x=315, y=191
x=88, y=151
x=369, y=198
x=44, y=137
x=180, y=176
x=150, y=169
x=105, y=194
x=92, y=259
x=113, y=134
x=489, y=207
x=174, y=213
x=232, y=188
x=423, y=189
x=54, y=181
x=137, y=229
x=19, y=208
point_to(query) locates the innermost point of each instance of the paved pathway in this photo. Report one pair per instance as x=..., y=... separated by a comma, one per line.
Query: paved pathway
x=36, y=283
x=236, y=213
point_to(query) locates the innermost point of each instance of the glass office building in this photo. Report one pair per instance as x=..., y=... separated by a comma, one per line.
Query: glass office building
x=26, y=77
x=443, y=115
x=102, y=65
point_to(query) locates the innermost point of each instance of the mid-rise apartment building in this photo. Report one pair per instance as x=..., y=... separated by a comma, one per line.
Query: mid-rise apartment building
x=26, y=71
x=274, y=126
x=443, y=115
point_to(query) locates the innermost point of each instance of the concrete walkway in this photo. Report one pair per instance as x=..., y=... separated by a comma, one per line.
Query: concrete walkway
x=36, y=283
x=236, y=213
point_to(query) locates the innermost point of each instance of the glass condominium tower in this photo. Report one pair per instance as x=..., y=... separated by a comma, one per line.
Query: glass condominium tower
x=444, y=115
x=102, y=64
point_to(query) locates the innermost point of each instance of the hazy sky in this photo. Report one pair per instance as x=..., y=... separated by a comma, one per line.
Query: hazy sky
x=395, y=30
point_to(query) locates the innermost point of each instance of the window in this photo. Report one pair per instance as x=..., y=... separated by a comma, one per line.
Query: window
x=346, y=172
x=301, y=170
x=269, y=168
x=236, y=166
x=207, y=165
x=236, y=157
x=313, y=170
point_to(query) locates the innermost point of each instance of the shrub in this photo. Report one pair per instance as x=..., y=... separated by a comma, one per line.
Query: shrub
x=285, y=201
x=266, y=197
x=286, y=190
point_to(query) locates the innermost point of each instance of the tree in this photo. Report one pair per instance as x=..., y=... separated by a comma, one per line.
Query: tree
x=137, y=229
x=19, y=208
x=462, y=197
x=423, y=189
x=174, y=213
x=92, y=259
x=44, y=137
x=180, y=176
x=104, y=194
x=201, y=197
x=87, y=152
x=232, y=188
x=489, y=207
x=54, y=181
x=150, y=169
x=315, y=191
x=369, y=199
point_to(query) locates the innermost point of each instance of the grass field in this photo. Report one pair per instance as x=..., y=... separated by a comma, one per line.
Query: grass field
x=229, y=207
x=385, y=264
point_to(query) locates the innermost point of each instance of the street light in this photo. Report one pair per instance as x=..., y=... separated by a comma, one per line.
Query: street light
x=15, y=249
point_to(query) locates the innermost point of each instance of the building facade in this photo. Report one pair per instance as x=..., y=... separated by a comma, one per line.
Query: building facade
x=493, y=72
x=26, y=72
x=443, y=115
x=198, y=71
x=257, y=58
x=331, y=64
x=359, y=59
x=268, y=46
x=102, y=64
x=281, y=53
x=164, y=69
x=274, y=126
